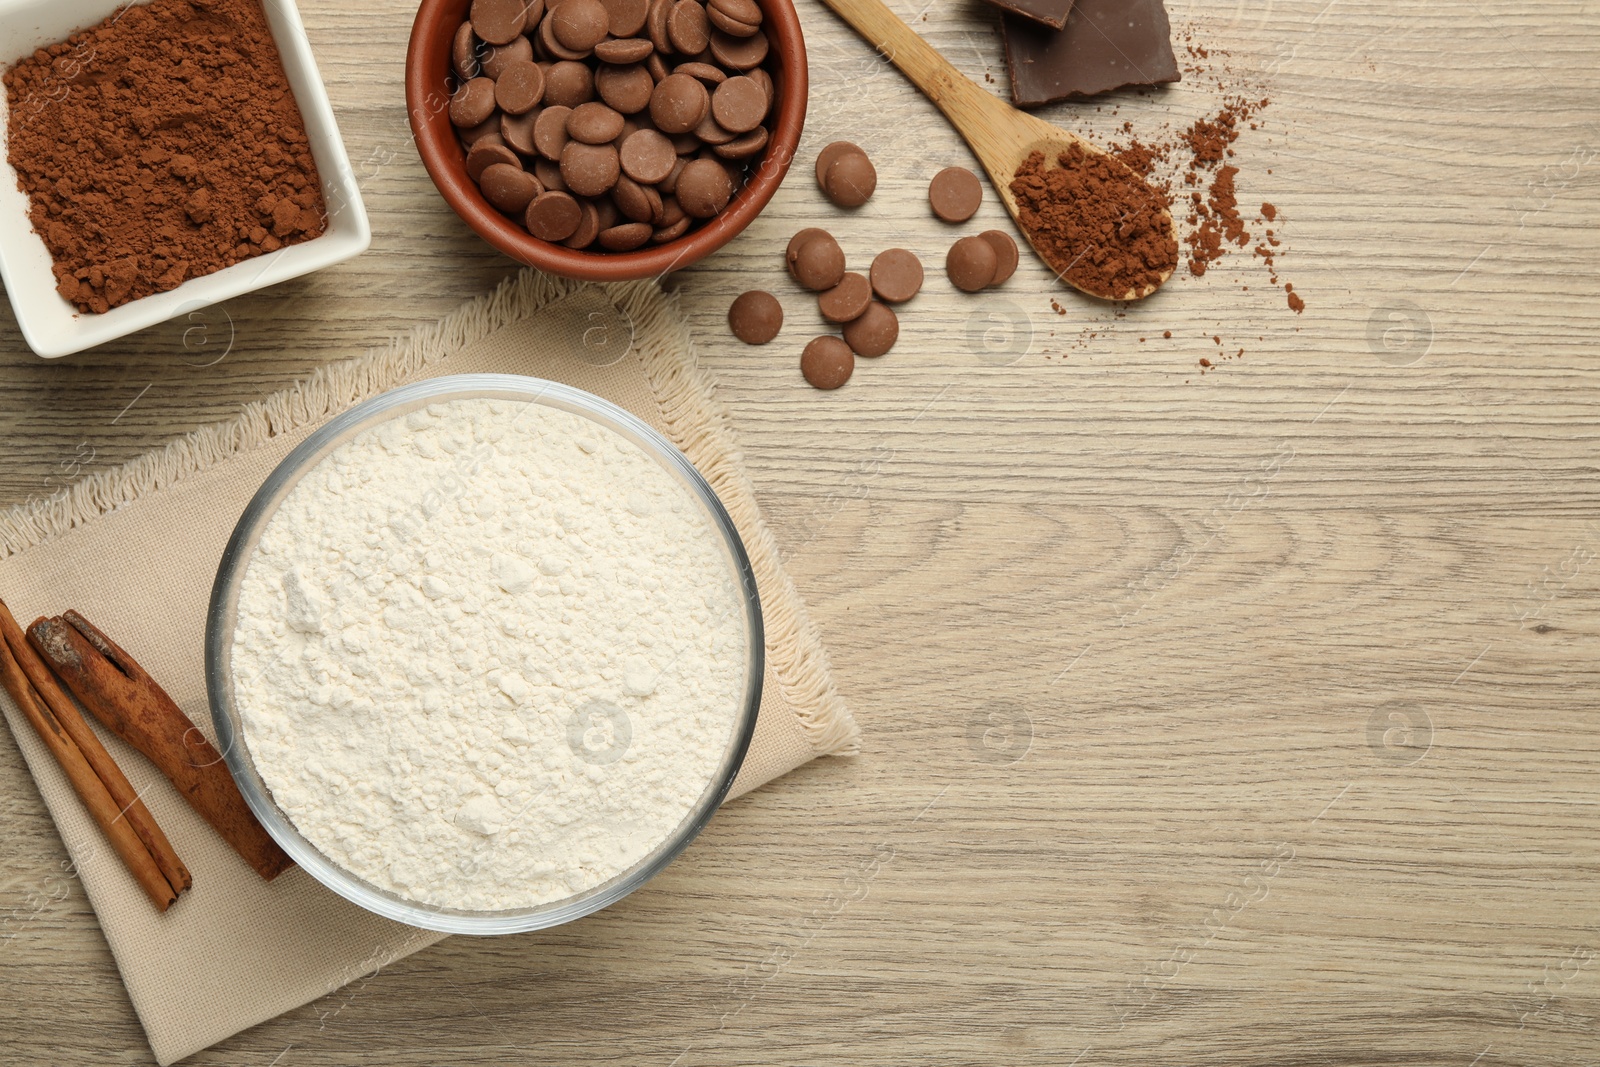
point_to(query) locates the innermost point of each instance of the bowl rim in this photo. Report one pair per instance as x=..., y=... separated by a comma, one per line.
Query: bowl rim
x=221, y=618
x=427, y=71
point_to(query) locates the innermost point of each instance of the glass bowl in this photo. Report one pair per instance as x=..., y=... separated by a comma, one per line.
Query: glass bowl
x=221, y=617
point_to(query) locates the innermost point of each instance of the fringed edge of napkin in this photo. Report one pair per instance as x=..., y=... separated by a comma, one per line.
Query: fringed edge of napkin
x=689, y=406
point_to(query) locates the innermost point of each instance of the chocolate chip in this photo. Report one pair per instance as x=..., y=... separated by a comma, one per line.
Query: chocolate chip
x=550, y=131
x=487, y=131
x=712, y=76
x=739, y=105
x=851, y=180
x=746, y=11
x=624, y=51
x=594, y=123
x=896, y=275
x=549, y=174
x=552, y=216
x=464, y=53
x=745, y=146
x=687, y=28
x=874, y=331
x=627, y=88
x=755, y=317
x=520, y=87
x=704, y=188
x=579, y=24
x=625, y=238
x=711, y=132
x=552, y=48
x=498, y=57
x=473, y=102
x=588, y=226
x=655, y=25
x=517, y=132
x=971, y=264
x=676, y=230
x=678, y=104
x=625, y=17
x=792, y=252
x=498, y=21
x=827, y=362
x=589, y=169
x=847, y=300
x=568, y=84
x=819, y=262
x=647, y=157
x=955, y=194
x=829, y=156
x=730, y=25
x=485, y=155
x=1005, y=251
x=509, y=187
x=740, y=53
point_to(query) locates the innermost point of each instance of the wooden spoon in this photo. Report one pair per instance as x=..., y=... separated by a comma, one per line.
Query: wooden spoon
x=1000, y=136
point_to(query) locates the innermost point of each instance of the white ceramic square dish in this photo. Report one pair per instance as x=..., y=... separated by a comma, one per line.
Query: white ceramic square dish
x=53, y=327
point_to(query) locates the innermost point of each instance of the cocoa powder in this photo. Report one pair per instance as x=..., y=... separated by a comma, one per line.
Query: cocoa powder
x=161, y=145
x=1097, y=226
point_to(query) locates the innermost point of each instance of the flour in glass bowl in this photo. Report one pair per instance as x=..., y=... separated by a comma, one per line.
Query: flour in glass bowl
x=489, y=654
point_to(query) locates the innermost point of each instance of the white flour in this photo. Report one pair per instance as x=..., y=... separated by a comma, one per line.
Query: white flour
x=489, y=654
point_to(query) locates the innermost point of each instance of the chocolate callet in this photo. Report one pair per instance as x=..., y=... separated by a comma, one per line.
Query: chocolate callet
x=1100, y=228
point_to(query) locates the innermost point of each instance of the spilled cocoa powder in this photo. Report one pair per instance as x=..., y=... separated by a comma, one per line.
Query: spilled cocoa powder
x=1097, y=227
x=161, y=145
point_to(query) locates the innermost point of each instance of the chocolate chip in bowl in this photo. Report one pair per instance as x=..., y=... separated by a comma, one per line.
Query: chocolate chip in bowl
x=669, y=124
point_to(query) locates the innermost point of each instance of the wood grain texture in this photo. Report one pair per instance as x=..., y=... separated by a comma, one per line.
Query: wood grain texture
x=1237, y=718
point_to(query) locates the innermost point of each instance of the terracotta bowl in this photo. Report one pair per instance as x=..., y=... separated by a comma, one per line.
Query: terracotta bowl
x=428, y=85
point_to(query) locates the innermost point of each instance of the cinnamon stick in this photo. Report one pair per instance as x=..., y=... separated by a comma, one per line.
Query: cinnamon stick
x=112, y=685
x=94, y=753
x=90, y=789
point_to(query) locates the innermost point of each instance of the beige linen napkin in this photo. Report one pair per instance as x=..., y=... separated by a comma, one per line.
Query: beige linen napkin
x=136, y=550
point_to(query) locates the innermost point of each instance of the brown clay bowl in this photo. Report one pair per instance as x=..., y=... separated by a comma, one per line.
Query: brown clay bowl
x=428, y=84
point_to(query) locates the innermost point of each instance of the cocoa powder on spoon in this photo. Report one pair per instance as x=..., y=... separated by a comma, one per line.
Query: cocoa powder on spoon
x=1096, y=223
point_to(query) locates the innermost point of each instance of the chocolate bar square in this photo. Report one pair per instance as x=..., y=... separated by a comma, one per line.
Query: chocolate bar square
x=1052, y=13
x=1105, y=45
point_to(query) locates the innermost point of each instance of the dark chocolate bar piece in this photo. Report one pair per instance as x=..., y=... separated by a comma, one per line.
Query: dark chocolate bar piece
x=1105, y=45
x=1052, y=13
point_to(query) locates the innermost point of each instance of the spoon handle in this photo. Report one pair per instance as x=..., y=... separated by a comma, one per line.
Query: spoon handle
x=969, y=108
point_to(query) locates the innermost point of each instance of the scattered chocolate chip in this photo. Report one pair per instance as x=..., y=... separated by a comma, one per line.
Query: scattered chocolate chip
x=851, y=180
x=955, y=194
x=827, y=362
x=819, y=262
x=971, y=264
x=847, y=300
x=1005, y=251
x=755, y=317
x=896, y=275
x=874, y=331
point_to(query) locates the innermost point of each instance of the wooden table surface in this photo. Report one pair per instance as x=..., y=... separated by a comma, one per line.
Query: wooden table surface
x=1236, y=718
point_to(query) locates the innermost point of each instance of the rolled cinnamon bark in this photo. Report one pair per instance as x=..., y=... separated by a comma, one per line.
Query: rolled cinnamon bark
x=112, y=685
x=86, y=783
x=94, y=753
